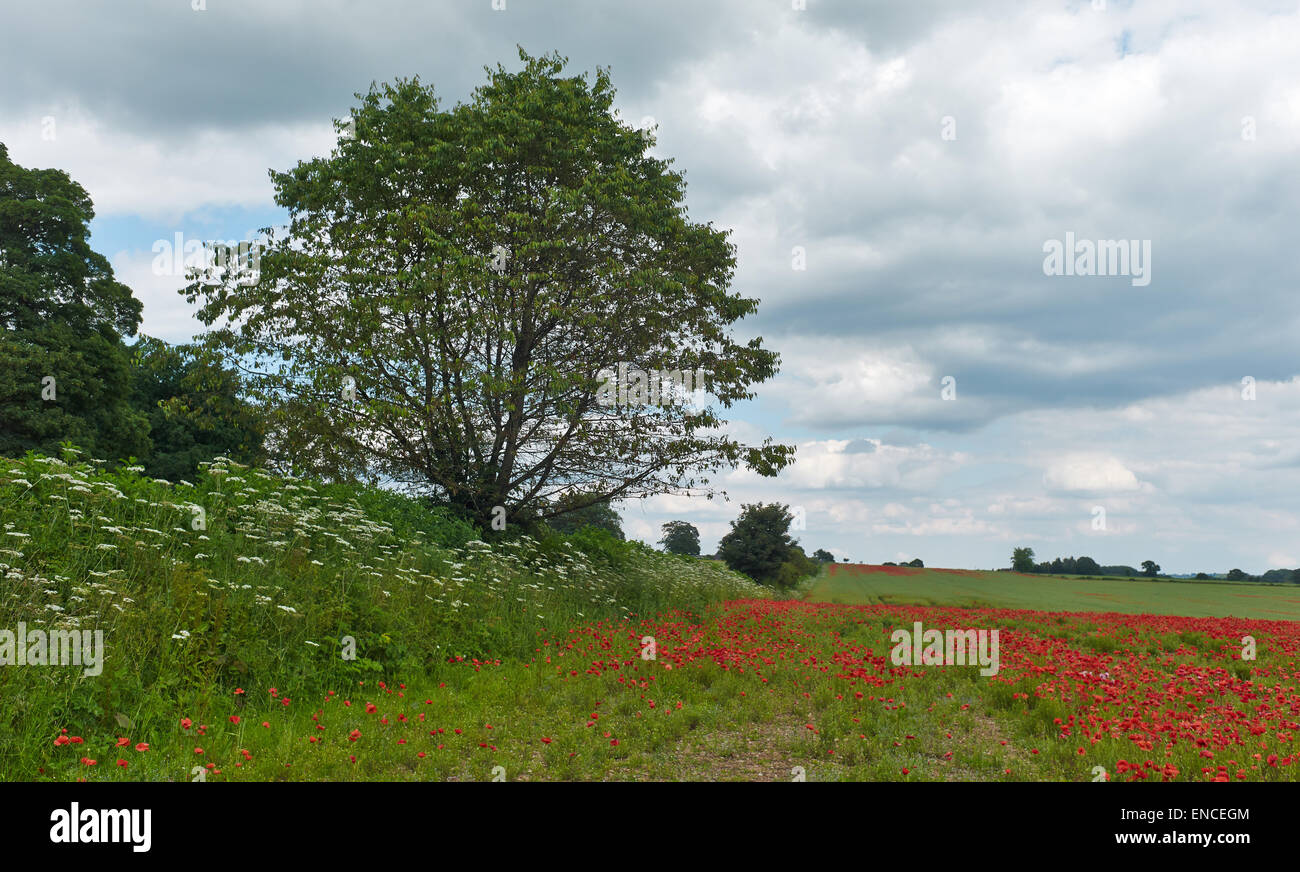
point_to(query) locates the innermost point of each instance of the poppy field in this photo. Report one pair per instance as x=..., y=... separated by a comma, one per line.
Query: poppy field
x=570, y=659
x=764, y=690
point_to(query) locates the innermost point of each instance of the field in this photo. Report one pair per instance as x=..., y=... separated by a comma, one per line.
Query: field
x=763, y=690
x=227, y=606
x=857, y=584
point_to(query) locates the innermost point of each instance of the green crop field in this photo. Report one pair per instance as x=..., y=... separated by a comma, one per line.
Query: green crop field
x=856, y=584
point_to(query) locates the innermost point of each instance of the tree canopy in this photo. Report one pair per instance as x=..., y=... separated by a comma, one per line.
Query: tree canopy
x=64, y=371
x=680, y=537
x=568, y=519
x=194, y=408
x=453, y=284
x=760, y=546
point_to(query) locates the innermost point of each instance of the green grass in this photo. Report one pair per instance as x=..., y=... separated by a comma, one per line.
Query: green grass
x=240, y=579
x=1010, y=590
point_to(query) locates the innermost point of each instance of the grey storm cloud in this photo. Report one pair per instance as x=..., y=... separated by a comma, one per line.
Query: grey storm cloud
x=163, y=66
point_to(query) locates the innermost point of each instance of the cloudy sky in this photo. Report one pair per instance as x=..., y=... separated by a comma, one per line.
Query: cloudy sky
x=894, y=175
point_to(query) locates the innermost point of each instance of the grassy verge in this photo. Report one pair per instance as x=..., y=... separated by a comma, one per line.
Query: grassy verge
x=240, y=580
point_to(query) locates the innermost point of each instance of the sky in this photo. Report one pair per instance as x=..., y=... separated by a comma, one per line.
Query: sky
x=895, y=177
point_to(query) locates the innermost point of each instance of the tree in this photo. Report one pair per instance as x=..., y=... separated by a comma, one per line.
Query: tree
x=680, y=538
x=574, y=511
x=194, y=408
x=64, y=372
x=917, y=563
x=759, y=541
x=1201, y=576
x=824, y=556
x=1236, y=575
x=1022, y=559
x=478, y=273
x=1150, y=568
x=1295, y=576
x=796, y=567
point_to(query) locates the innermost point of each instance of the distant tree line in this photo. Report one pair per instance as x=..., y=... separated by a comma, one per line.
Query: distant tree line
x=1273, y=576
x=1022, y=560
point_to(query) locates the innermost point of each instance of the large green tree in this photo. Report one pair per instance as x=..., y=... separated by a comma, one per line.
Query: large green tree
x=680, y=537
x=454, y=285
x=64, y=372
x=759, y=543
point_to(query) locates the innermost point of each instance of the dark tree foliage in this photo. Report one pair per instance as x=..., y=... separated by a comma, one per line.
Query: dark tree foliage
x=194, y=407
x=64, y=371
x=680, y=537
x=574, y=512
x=760, y=546
x=1067, y=566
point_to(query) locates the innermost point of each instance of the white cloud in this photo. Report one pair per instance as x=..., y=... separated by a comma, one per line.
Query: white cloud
x=163, y=179
x=1282, y=560
x=1090, y=473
